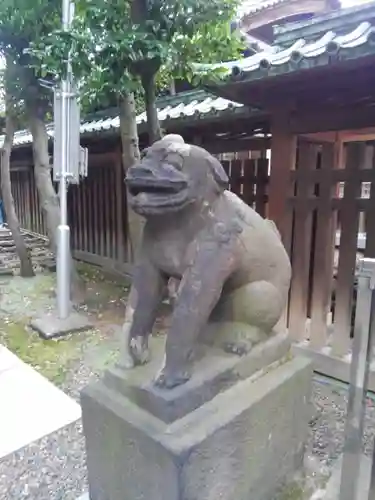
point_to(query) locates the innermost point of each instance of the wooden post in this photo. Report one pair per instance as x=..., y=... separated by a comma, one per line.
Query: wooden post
x=307, y=160
x=348, y=250
x=283, y=159
x=324, y=247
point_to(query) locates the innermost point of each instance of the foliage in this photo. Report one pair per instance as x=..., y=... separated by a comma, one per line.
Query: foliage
x=23, y=24
x=112, y=45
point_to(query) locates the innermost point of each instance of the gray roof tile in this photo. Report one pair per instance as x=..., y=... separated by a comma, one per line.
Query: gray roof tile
x=203, y=105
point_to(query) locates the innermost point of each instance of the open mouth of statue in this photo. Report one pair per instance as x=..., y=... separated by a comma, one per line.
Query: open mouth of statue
x=153, y=188
x=154, y=197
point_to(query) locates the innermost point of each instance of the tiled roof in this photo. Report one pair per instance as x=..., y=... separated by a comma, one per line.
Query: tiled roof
x=340, y=20
x=330, y=47
x=251, y=6
x=189, y=105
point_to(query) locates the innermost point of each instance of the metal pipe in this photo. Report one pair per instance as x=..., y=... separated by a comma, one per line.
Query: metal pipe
x=63, y=231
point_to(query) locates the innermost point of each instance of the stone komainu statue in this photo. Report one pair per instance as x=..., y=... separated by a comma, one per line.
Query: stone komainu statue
x=234, y=270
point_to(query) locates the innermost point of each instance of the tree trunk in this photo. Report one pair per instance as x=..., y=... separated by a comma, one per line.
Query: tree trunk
x=48, y=197
x=153, y=124
x=130, y=155
x=6, y=189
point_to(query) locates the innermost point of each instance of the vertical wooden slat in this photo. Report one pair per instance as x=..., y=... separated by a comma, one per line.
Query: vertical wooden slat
x=80, y=221
x=111, y=220
x=23, y=193
x=107, y=214
x=112, y=214
x=28, y=201
x=307, y=159
x=101, y=204
x=283, y=159
x=226, y=166
x=248, y=182
x=84, y=217
x=97, y=210
x=121, y=220
x=322, y=274
x=75, y=222
x=236, y=176
x=261, y=186
x=33, y=200
x=348, y=249
x=90, y=212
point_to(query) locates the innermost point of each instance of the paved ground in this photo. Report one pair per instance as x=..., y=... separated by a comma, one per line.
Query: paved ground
x=31, y=406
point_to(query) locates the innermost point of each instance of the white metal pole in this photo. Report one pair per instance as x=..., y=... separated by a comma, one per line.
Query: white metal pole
x=63, y=231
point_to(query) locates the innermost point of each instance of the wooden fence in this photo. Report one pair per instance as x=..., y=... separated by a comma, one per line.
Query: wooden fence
x=96, y=209
x=322, y=285
x=248, y=174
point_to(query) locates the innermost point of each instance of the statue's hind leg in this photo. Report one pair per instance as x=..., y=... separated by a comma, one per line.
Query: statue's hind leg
x=245, y=317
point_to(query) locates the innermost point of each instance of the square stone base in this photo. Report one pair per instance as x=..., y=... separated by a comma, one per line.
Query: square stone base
x=243, y=443
x=50, y=326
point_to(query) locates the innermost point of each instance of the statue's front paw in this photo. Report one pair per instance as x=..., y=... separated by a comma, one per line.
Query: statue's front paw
x=168, y=379
x=140, y=351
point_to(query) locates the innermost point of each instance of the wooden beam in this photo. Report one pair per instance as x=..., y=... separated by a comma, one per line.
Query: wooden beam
x=109, y=265
x=335, y=119
x=102, y=159
x=236, y=145
x=366, y=134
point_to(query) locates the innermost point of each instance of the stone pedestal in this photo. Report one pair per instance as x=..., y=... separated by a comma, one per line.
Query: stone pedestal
x=235, y=431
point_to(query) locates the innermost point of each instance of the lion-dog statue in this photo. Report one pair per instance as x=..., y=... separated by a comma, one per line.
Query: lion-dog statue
x=234, y=270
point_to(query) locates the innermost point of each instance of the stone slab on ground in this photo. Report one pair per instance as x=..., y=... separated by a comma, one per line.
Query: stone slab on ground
x=31, y=406
x=51, y=326
x=333, y=486
x=245, y=442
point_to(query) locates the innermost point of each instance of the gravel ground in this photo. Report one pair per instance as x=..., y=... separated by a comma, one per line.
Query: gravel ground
x=53, y=468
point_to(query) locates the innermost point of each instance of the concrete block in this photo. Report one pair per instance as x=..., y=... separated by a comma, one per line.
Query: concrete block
x=243, y=442
x=50, y=326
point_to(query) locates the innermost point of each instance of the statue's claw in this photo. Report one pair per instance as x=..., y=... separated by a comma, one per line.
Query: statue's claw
x=139, y=351
x=167, y=379
x=240, y=348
